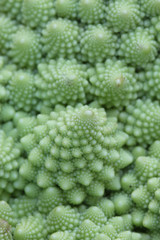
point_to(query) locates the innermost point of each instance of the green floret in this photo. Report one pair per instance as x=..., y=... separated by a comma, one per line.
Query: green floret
x=148, y=196
x=123, y=15
x=50, y=198
x=9, y=163
x=147, y=167
x=37, y=13
x=138, y=47
x=82, y=147
x=122, y=203
x=114, y=183
x=62, y=218
x=31, y=190
x=11, y=8
x=87, y=230
x=126, y=235
x=113, y=83
x=138, y=216
x=10, y=130
x=60, y=38
x=151, y=221
x=109, y=230
x=146, y=190
x=91, y=11
x=7, y=29
x=6, y=112
x=150, y=7
x=5, y=230
x=96, y=215
x=45, y=178
x=61, y=81
x=22, y=91
x=76, y=195
x=6, y=214
x=23, y=207
x=6, y=72
x=127, y=220
x=97, y=43
x=24, y=126
x=30, y=228
x=25, y=48
x=141, y=121
x=150, y=79
x=129, y=181
x=155, y=27
x=154, y=206
x=138, y=152
x=116, y=225
x=107, y=207
x=154, y=149
x=102, y=236
x=66, y=8
x=28, y=171
x=62, y=236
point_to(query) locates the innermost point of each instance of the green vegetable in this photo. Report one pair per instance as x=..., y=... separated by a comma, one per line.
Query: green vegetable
x=79, y=120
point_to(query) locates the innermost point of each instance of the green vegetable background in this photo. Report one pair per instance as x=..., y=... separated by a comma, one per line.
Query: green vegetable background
x=79, y=119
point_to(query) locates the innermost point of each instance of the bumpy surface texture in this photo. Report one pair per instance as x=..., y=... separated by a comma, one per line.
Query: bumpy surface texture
x=85, y=148
x=79, y=120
